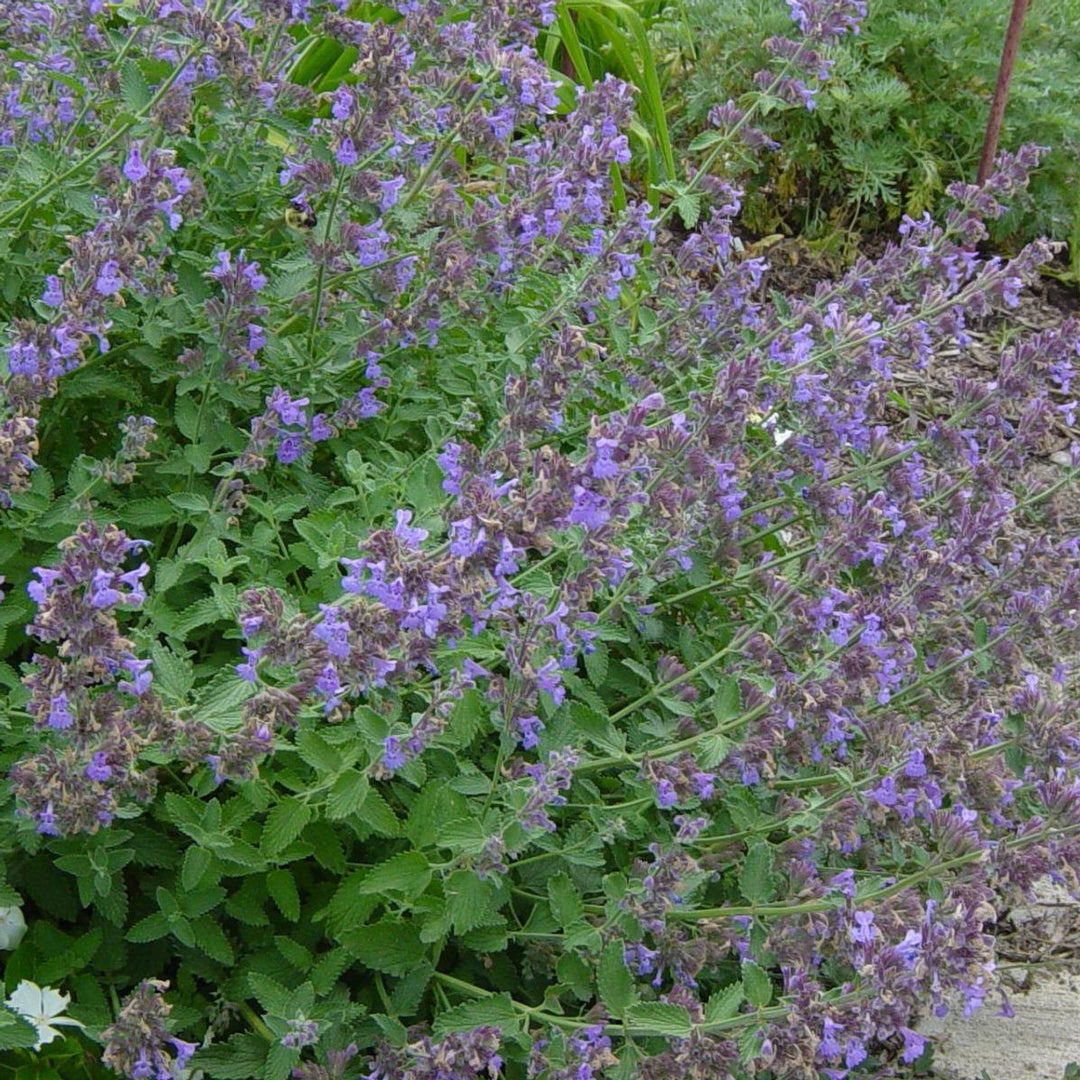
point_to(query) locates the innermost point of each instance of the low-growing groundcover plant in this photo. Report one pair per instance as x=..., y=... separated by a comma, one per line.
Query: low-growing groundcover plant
x=475, y=633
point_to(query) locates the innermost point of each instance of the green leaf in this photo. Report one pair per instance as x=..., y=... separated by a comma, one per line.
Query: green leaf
x=269, y=993
x=149, y=929
x=15, y=1032
x=348, y=794
x=145, y=513
x=293, y=952
x=376, y=812
x=241, y=1058
x=211, y=939
x=133, y=88
x=659, y=1018
x=756, y=881
x=597, y=727
x=471, y=901
x=756, y=984
x=328, y=969
x=406, y=873
x=596, y=664
x=409, y=992
x=495, y=1011
x=190, y=501
x=328, y=850
x=724, y=1004
x=614, y=981
x=566, y=903
x=280, y=1062
x=196, y=863
x=281, y=886
x=284, y=824
x=318, y=753
x=392, y=946
x=463, y=835
x=173, y=675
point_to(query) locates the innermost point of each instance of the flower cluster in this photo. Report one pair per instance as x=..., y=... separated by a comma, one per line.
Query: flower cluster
x=466, y=1056
x=233, y=316
x=117, y=255
x=94, y=697
x=138, y=1044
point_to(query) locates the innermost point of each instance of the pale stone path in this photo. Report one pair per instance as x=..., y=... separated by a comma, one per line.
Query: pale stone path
x=1044, y=1035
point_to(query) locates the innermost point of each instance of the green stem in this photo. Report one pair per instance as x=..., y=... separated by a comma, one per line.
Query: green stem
x=256, y=1022
x=100, y=150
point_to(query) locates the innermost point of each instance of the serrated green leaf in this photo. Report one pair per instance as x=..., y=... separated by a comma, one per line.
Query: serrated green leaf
x=294, y=952
x=392, y=946
x=144, y=513
x=470, y=900
x=596, y=664
x=463, y=835
x=409, y=992
x=755, y=880
x=318, y=753
x=724, y=1004
x=280, y=1062
x=406, y=873
x=659, y=1018
x=281, y=885
x=328, y=969
x=566, y=903
x=284, y=823
x=190, y=501
x=756, y=984
x=149, y=929
x=495, y=1011
x=196, y=862
x=269, y=993
x=615, y=983
x=133, y=87
x=597, y=727
x=348, y=794
x=15, y=1032
x=211, y=939
x=376, y=812
x=241, y=1058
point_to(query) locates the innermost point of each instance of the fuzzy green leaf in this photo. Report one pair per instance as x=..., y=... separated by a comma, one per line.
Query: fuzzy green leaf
x=724, y=1004
x=406, y=873
x=470, y=900
x=756, y=881
x=281, y=886
x=659, y=1018
x=15, y=1032
x=284, y=824
x=566, y=902
x=392, y=946
x=495, y=1011
x=614, y=981
x=756, y=984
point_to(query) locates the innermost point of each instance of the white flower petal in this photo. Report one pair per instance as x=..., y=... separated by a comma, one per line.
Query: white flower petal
x=26, y=999
x=53, y=1002
x=66, y=1020
x=12, y=927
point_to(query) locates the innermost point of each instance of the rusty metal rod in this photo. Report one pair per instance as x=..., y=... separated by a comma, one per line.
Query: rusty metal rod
x=1001, y=91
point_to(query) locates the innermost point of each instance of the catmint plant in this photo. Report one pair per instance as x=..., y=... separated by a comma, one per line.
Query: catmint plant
x=549, y=650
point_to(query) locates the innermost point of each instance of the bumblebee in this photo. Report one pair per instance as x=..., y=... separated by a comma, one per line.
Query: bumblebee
x=299, y=215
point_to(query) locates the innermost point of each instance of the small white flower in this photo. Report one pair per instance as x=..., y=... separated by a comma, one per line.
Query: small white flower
x=12, y=927
x=42, y=1006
